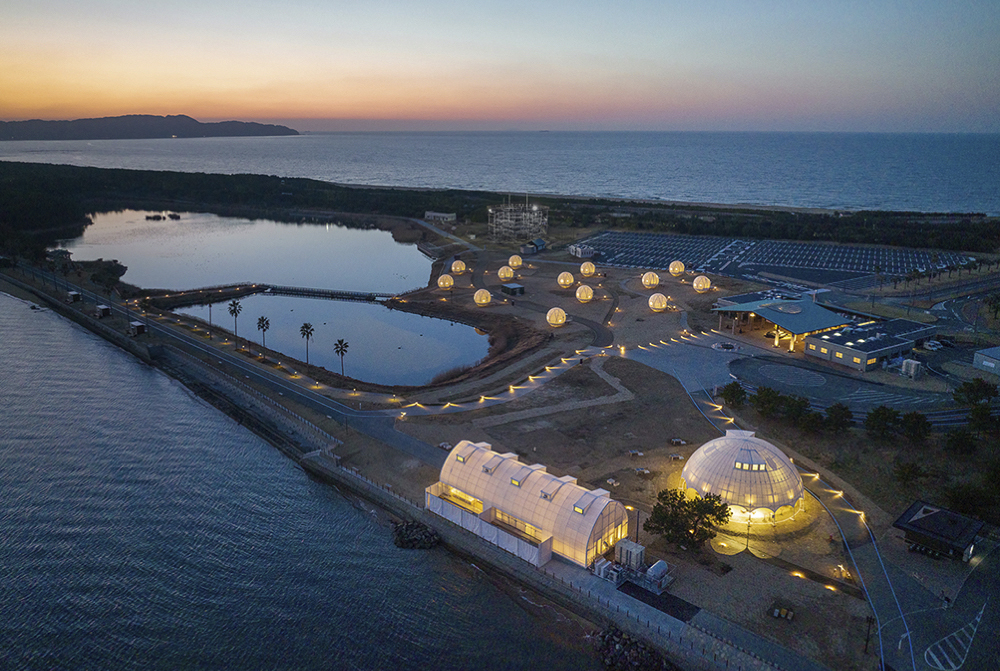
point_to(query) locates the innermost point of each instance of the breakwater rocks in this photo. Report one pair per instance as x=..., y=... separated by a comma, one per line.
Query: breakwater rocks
x=414, y=536
x=619, y=651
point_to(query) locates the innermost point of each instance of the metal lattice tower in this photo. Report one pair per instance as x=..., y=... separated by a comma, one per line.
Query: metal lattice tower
x=510, y=222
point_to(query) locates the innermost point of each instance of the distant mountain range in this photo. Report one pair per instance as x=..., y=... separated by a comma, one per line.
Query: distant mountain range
x=134, y=127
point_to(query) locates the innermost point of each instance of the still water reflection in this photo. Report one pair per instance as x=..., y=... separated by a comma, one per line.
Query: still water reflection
x=385, y=346
x=200, y=250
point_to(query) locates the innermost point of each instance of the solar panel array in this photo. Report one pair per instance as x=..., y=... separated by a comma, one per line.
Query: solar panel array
x=855, y=258
x=627, y=249
x=651, y=250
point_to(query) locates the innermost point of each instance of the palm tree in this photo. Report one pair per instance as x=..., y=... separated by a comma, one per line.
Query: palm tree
x=306, y=331
x=235, y=309
x=263, y=324
x=340, y=348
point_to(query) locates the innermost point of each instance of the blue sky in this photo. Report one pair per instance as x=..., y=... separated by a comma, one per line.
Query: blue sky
x=833, y=66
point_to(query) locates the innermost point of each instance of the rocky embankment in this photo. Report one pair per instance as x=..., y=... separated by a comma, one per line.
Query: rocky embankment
x=414, y=536
x=619, y=651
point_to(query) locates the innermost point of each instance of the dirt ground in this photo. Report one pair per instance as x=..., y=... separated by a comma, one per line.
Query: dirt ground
x=594, y=444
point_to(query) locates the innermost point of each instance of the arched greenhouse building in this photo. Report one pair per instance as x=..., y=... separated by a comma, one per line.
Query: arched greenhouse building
x=524, y=509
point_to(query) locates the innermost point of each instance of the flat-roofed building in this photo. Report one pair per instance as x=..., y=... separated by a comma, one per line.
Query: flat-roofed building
x=524, y=509
x=868, y=345
x=791, y=319
x=939, y=530
x=987, y=360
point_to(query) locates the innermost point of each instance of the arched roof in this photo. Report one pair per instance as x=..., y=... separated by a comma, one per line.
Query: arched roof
x=554, y=505
x=745, y=471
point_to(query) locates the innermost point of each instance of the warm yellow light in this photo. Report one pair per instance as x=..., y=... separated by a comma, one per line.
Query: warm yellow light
x=657, y=302
x=446, y=281
x=587, y=269
x=584, y=293
x=482, y=297
x=505, y=273
x=458, y=266
x=565, y=280
x=556, y=316
x=650, y=280
x=676, y=268
x=515, y=262
x=701, y=284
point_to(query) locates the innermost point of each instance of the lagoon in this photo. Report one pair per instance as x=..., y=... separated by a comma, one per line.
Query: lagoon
x=199, y=250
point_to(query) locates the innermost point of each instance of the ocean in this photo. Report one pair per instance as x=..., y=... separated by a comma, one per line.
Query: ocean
x=143, y=529
x=844, y=171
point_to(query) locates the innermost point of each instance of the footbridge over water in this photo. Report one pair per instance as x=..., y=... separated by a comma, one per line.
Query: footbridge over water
x=330, y=294
x=218, y=294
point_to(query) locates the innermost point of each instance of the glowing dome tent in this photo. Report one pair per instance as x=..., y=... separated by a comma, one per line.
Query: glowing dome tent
x=584, y=293
x=458, y=266
x=650, y=280
x=505, y=273
x=565, y=280
x=750, y=474
x=524, y=509
x=702, y=284
x=556, y=317
x=587, y=269
x=482, y=297
x=446, y=281
x=676, y=268
x=515, y=262
x=657, y=302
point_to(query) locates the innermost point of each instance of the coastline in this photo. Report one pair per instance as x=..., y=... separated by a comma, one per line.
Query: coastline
x=568, y=623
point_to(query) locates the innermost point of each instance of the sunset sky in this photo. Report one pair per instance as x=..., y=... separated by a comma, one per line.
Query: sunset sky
x=438, y=64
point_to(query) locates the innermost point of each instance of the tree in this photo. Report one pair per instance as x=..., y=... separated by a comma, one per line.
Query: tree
x=980, y=420
x=733, y=394
x=340, y=349
x=795, y=408
x=234, y=310
x=306, y=331
x=766, y=401
x=263, y=324
x=908, y=472
x=960, y=441
x=882, y=423
x=915, y=427
x=839, y=418
x=976, y=391
x=811, y=422
x=686, y=521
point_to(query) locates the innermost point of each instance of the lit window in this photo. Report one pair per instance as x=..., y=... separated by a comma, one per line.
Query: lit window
x=871, y=361
x=857, y=359
x=823, y=350
x=739, y=465
x=839, y=355
x=812, y=346
x=460, y=458
x=578, y=509
x=516, y=483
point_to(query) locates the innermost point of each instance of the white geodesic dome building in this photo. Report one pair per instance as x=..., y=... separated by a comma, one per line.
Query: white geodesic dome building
x=524, y=509
x=750, y=474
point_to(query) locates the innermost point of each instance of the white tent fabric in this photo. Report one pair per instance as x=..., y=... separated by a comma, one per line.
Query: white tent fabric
x=582, y=523
x=745, y=471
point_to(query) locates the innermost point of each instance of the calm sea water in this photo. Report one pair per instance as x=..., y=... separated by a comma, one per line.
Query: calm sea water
x=922, y=172
x=144, y=530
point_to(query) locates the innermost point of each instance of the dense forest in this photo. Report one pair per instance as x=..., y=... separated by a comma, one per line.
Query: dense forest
x=37, y=198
